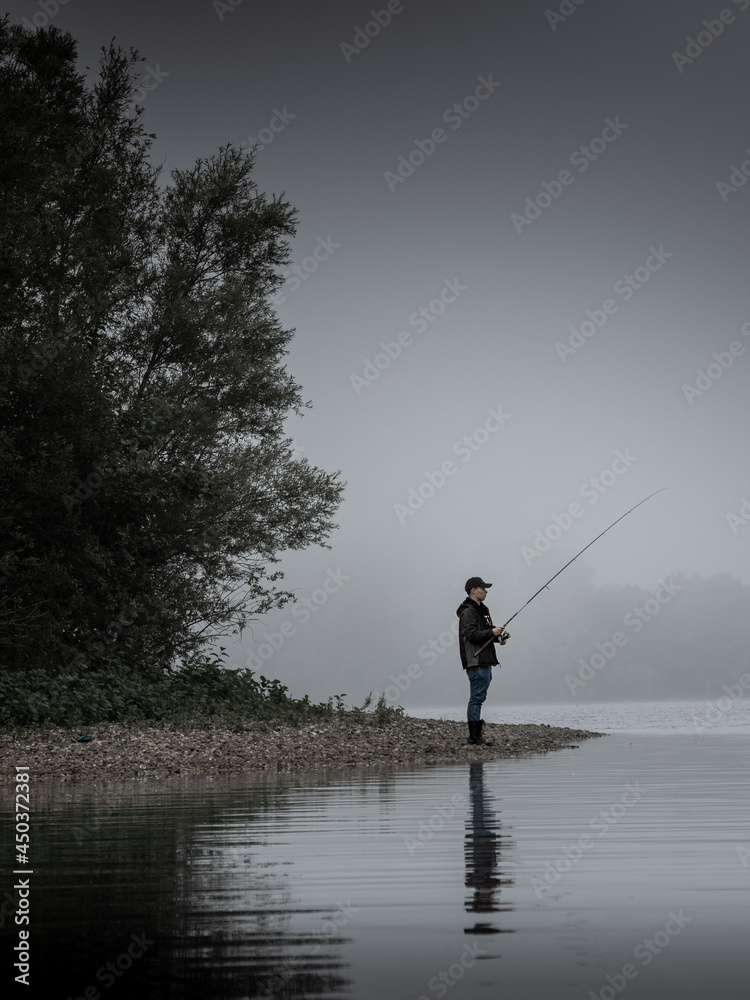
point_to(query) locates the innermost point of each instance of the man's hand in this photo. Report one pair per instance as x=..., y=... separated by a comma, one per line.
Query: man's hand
x=498, y=631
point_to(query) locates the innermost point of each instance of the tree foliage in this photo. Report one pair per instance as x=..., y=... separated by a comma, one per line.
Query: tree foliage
x=148, y=485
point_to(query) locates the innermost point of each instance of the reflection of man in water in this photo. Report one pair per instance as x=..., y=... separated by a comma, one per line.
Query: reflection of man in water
x=481, y=850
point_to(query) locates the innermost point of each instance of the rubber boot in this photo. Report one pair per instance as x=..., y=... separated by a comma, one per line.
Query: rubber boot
x=482, y=740
x=475, y=735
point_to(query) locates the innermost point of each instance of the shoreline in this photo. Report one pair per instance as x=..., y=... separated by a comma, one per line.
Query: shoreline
x=116, y=751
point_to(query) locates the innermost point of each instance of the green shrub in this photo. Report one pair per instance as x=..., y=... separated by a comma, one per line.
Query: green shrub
x=202, y=692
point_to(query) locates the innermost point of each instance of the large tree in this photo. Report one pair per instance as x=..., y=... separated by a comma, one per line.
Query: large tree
x=148, y=487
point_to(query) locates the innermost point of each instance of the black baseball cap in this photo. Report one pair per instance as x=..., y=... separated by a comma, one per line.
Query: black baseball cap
x=476, y=581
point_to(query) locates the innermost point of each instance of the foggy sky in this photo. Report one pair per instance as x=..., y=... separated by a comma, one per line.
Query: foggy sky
x=631, y=142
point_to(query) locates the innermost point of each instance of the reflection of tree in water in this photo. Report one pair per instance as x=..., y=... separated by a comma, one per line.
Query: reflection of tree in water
x=185, y=868
x=234, y=934
x=482, y=850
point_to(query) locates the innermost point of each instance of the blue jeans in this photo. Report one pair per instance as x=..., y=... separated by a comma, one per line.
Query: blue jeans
x=479, y=679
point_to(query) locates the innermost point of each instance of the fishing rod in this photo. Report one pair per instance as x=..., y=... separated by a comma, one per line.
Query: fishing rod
x=505, y=635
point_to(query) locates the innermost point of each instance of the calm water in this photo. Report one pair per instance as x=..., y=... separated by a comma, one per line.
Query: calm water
x=618, y=868
x=724, y=714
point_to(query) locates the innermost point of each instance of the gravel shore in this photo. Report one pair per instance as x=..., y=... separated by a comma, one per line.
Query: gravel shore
x=117, y=752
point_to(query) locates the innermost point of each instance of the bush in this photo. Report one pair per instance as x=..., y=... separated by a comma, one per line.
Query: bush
x=202, y=692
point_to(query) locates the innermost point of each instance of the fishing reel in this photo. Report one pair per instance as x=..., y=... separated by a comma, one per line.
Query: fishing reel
x=504, y=636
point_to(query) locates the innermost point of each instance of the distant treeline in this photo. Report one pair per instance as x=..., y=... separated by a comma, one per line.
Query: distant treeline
x=682, y=640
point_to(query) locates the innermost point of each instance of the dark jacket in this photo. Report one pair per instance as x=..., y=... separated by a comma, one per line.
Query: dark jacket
x=474, y=629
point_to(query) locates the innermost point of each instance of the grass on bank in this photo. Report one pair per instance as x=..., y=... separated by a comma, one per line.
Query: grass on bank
x=200, y=694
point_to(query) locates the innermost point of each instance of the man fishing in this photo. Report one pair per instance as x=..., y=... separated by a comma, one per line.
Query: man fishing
x=477, y=635
x=476, y=641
